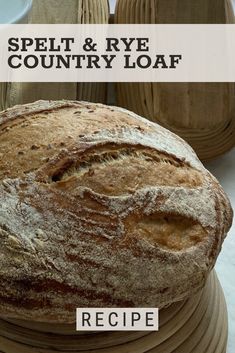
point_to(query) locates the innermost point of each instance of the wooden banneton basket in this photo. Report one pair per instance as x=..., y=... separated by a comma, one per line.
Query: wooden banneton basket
x=197, y=325
x=60, y=11
x=201, y=113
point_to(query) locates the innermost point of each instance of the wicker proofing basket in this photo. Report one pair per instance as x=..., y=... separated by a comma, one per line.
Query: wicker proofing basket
x=201, y=113
x=60, y=11
x=197, y=325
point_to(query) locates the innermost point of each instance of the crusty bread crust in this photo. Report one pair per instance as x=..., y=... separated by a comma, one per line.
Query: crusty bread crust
x=100, y=207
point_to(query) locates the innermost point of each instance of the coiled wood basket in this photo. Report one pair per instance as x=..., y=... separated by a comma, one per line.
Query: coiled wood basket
x=197, y=325
x=60, y=11
x=201, y=113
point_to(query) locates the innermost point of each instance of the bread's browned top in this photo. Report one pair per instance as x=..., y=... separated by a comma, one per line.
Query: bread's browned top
x=99, y=207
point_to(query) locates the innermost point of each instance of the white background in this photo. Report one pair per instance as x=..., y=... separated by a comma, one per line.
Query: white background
x=112, y=5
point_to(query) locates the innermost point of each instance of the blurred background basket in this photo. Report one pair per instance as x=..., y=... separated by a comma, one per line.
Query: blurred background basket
x=202, y=113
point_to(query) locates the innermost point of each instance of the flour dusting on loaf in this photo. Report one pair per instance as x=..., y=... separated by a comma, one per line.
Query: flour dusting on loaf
x=100, y=207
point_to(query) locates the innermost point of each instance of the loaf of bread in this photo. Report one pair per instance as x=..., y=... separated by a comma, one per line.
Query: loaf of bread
x=101, y=208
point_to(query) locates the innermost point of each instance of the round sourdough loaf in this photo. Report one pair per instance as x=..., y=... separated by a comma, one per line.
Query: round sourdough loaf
x=101, y=208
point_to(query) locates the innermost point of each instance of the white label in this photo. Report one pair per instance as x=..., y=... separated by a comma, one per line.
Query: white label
x=117, y=319
x=117, y=53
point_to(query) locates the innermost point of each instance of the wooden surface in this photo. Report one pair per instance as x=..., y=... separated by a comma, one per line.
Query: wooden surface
x=198, y=325
x=202, y=113
x=60, y=11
